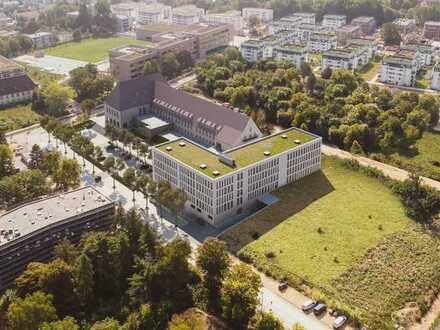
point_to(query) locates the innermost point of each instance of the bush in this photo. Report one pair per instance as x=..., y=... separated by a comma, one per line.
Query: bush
x=270, y=254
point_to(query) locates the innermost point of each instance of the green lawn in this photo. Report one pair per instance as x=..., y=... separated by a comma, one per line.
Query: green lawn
x=424, y=157
x=18, y=117
x=92, y=50
x=370, y=70
x=40, y=76
x=321, y=225
x=423, y=79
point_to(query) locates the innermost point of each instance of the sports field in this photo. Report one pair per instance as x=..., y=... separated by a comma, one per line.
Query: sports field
x=92, y=50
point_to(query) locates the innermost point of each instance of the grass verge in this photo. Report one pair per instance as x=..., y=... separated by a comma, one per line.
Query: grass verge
x=18, y=117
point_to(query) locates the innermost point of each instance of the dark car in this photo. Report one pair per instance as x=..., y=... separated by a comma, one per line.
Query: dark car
x=308, y=305
x=283, y=286
x=339, y=322
x=319, y=308
x=98, y=179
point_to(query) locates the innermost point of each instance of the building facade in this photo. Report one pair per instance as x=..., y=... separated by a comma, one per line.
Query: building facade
x=431, y=30
x=321, y=42
x=435, y=79
x=345, y=58
x=347, y=32
x=367, y=24
x=15, y=84
x=334, y=21
x=306, y=18
x=294, y=53
x=223, y=186
x=153, y=14
x=264, y=15
x=399, y=70
x=41, y=39
x=187, y=15
x=30, y=232
x=232, y=18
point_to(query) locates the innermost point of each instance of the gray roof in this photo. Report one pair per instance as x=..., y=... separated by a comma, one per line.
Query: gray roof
x=40, y=214
x=17, y=84
x=226, y=119
x=133, y=93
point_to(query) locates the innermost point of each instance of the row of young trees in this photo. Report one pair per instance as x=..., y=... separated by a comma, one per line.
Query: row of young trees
x=126, y=279
x=343, y=109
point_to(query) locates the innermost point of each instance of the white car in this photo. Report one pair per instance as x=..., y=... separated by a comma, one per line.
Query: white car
x=308, y=305
x=339, y=321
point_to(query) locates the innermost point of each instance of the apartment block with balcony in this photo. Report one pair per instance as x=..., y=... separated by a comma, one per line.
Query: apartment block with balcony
x=264, y=14
x=306, y=18
x=431, y=30
x=187, y=15
x=399, y=69
x=154, y=14
x=344, y=58
x=334, y=21
x=29, y=232
x=367, y=24
x=322, y=41
x=231, y=17
x=294, y=53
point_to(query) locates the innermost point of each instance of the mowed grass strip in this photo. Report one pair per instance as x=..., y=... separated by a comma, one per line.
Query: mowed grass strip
x=92, y=50
x=18, y=117
x=322, y=224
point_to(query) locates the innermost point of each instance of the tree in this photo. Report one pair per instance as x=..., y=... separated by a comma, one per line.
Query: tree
x=326, y=73
x=305, y=69
x=6, y=161
x=66, y=251
x=36, y=157
x=56, y=98
x=185, y=60
x=51, y=162
x=84, y=281
x=391, y=34
x=87, y=106
x=240, y=296
x=76, y=35
x=130, y=179
x=150, y=67
x=142, y=183
x=298, y=326
x=110, y=166
x=68, y=174
x=169, y=65
x=68, y=323
x=84, y=20
x=31, y=312
x=189, y=320
x=356, y=148
x=267, y=321
x=106, y=324
x=213, y=260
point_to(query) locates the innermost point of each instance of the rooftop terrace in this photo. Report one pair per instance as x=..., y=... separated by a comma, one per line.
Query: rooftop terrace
x=207, y=162
x=38, y=214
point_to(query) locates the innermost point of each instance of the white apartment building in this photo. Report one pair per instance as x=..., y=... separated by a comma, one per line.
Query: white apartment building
x=41, y=39
x=154, y=13
x=232, y=17
x=370, y=45
x=129, y=9
x=255, y=50
x=122, y=23
x=425, y=54
x=399, y=70
x=344, y=58
x=252, y=50
x=284, y=24
x=306, y=18
x=224, y=186
x=321, y=42
x=435, y=82
x=334, y=21
x=187, y=15
x=294, y=53
x=265, y=15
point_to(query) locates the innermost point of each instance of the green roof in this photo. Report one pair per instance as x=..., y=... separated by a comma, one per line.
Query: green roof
x=194, y=155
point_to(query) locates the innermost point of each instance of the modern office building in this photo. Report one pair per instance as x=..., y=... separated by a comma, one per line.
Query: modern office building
x=223, y=186
x=345, y=58
x=322, y=41
x=367, y=24
x=431, y=30
x=15, y=84
x=29, y=232
x=153, y=14
x=264, y=14
x=294, y=53
x=205, y=122
x=187, y=15
x=231, y=17
x=334, y=21
x=306, y=18
x=399, y=69
x=435, y=82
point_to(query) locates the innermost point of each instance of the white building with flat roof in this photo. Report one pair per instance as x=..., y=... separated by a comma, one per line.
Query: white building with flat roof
x=399, y=70
x=435, y=82
x=187, y=15
x=322, y=41
x=294, y=53
x=334, y=21
x=307, y=18
x=232, y=17
x=345, y=58
x=153, y=14
x=264, y=14
x=254, y=50
x=224, y=186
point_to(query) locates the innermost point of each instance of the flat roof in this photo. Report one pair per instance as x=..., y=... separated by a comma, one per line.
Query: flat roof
x=153, y=122
x=30, y=217
x=195, y=155
x=160, y=27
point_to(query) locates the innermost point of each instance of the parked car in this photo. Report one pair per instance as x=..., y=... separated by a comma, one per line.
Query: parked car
x=98, y=179
x=339, y=321
x=319, y=308
x=308, y=305
x=283, y=286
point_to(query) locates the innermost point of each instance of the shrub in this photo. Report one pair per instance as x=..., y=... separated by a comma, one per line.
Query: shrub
x=270, y=254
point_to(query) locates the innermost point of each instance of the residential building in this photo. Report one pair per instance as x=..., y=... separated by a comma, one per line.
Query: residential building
x=146, y=32
x=347, y=32
x=370, y=44
x=254, y=50
x=306, y=18
x=154, y=13
x=399, y=69
x=295, y=53
x=29, y=232
x=129, y=9
x=187, y=15
x=200, y=120
x=210, y=38
x=431, y=30
x=321, y=41
x=435, y=81
x=232, y=17
x=288, y=23
x=344, y=58
x=406, y=25
x=425, y=54
x=122, y=23
x=25, y=17
x=367, y=24
x=223, y=187
x=334, y=21
x=15, y=85
x=264, y=14
x=41, y=39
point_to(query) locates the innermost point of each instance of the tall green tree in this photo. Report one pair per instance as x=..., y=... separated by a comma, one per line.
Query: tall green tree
x=6, y=161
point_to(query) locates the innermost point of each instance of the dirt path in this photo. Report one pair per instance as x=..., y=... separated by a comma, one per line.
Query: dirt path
x=429, y=318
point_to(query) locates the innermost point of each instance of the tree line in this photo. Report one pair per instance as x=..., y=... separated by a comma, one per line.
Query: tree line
x=339, y=106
